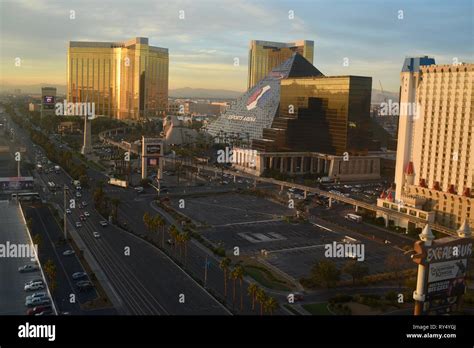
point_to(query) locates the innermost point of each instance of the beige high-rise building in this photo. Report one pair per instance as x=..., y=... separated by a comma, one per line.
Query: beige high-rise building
x=125, y=80
x=266, y=55
x=435, y=154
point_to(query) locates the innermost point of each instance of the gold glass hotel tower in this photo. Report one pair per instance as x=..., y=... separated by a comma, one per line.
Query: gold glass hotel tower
x=125, y=80
x=266, y=55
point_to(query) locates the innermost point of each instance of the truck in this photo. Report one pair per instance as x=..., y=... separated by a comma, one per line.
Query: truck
x=57, y=169
x=354, y=217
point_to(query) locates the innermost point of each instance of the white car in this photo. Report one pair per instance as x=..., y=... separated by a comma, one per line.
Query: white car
x=86, y=213
x=68, y=252
x=37, y=302
x=28, y=268
x=36, y=295
x=34, y=286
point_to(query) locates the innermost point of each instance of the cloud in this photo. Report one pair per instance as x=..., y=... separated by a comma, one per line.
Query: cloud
x=215, y=31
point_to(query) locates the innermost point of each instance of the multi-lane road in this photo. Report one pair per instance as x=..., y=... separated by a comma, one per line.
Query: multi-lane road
x=142, y=279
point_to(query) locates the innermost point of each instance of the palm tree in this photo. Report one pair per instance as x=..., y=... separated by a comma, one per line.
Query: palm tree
x=238, y=273
x=50, y=270
x=271, y=304
x=146, y=220
x=115, y=203
x=173, y=231
x=37, y=240
x=234, y=277
x=179, y=241
x=224, y=265
x=161, y=224
x=252, y=291
x=261, y=298
x=185, y=238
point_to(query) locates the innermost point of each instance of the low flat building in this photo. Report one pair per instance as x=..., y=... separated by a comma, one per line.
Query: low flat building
x=337, y=168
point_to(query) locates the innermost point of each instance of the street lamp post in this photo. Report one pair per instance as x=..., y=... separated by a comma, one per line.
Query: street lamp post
x=64, y=212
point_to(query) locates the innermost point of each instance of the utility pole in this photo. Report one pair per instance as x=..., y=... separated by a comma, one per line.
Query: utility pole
x=205, y=272
x=64, y=212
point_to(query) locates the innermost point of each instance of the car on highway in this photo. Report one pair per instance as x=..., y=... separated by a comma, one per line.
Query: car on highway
x=37, y=302
x=28, y=268
x=68, y=252
x=68, y=211
x=34, y=286
x=79, y=275
x=78, y=224
x=38, y=309
x=96, y=234
x=104, y=223
x=86, y=214
x=84, y=285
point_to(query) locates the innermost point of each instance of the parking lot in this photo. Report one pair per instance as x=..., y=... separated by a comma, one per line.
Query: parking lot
x=255, y=225
x=13, y=231
x=228, y=209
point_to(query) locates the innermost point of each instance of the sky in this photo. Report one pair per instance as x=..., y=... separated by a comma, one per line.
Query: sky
x=373, y=36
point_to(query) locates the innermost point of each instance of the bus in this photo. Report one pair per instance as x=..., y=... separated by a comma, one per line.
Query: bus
x=25, y=196
x=354, y=217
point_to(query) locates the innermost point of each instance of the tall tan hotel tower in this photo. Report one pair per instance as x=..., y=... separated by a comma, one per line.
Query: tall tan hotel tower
x=435, y=154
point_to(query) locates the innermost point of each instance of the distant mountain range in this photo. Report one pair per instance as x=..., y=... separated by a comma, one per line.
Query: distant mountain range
x=32, y=89
x=378, y=96
x=186, y=92
x=204, y=93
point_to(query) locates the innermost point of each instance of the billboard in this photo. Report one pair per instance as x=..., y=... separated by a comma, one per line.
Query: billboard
x=446, y=262
x=447, y=270
x=153, y=149
x=48, y=99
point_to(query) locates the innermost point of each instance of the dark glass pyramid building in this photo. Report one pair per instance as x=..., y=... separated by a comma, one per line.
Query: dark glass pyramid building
x=256, y=109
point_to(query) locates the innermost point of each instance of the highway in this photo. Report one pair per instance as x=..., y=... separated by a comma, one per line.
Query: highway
x=145, y=281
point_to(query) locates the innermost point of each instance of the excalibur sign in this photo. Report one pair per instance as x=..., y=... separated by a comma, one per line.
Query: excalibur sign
x=442, y=269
